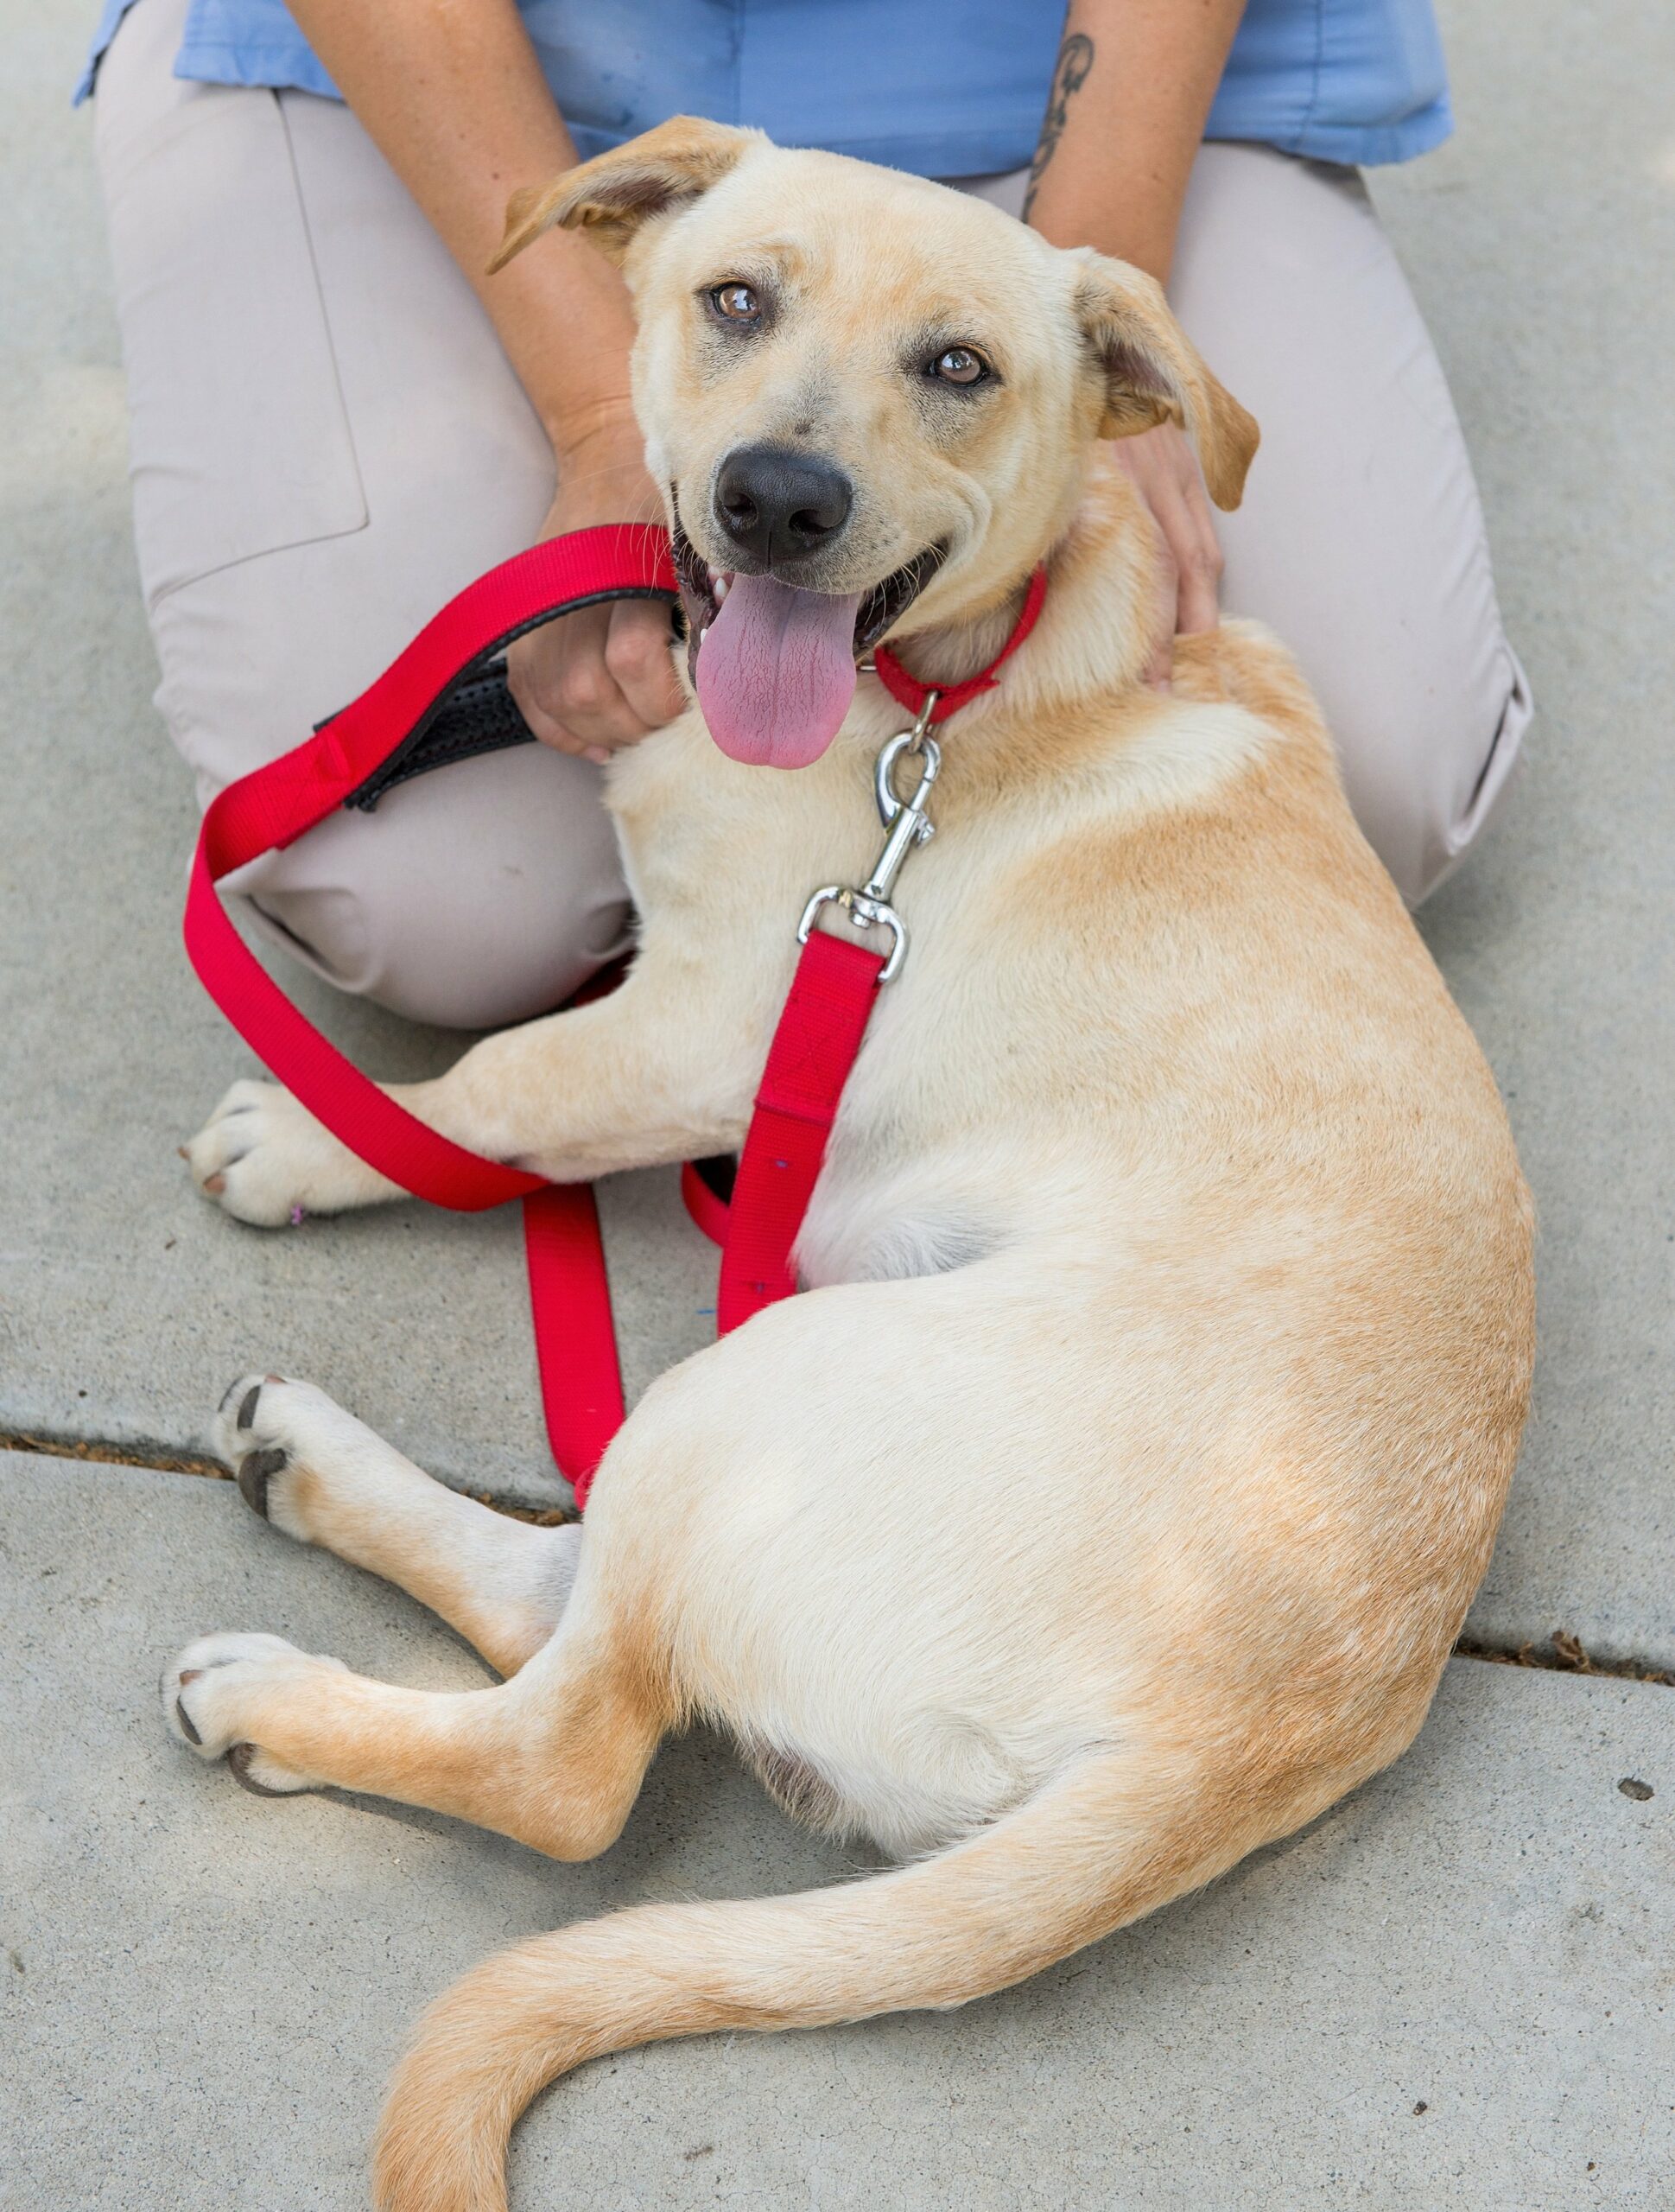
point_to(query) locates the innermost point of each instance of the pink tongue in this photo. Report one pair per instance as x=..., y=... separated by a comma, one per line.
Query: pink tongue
x=776, y=671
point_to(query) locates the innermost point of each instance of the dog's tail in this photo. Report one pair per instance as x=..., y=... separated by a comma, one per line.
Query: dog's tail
x=1096, y=1848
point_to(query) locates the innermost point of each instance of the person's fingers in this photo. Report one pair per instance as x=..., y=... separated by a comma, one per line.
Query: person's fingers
x=1165, y=473
x=541, y=723
x=1198, y=606
x=565, y=691
x=639, y=661
x=1192, y=557
x=1198, y=559
x=534, y=664
x=551, y=732
x=586, y=701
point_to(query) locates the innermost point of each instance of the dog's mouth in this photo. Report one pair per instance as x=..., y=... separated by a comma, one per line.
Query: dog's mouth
x=774, y=665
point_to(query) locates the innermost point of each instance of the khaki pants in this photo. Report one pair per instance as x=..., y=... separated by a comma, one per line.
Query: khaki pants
x=327, y=442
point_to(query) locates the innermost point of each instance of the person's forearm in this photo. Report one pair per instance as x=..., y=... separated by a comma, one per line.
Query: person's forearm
x=452, y=95
x=1131, y=88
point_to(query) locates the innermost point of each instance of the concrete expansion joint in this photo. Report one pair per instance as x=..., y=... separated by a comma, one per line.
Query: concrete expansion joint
x=163, y=1459
x=1563, y=1654
x=158, y=1457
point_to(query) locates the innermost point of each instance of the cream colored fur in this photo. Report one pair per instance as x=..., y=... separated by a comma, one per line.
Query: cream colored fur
x=1111, y=1503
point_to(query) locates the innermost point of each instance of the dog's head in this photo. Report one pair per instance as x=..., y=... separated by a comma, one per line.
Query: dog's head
x=868, y=399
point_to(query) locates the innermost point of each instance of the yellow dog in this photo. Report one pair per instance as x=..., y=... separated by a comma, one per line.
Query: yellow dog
x=1111, y=1501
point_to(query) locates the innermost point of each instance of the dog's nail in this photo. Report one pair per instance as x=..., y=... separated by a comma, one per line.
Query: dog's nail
x=273, y=1378
x=247, y=1410
x=184, y=1717
x=214, y=1184
x=180, y=1152
x=255, y=1470
x=238, y=1759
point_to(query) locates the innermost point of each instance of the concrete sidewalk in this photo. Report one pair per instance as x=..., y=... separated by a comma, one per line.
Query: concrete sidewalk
x=206, y=1991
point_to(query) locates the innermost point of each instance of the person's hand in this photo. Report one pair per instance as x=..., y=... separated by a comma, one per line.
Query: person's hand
x=1165, y=473
x=604, y=676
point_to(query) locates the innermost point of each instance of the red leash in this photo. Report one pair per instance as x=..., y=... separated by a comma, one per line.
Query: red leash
x=814, y=1047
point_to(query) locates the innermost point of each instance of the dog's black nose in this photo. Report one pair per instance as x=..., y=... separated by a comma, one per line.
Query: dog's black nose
x=780, y=507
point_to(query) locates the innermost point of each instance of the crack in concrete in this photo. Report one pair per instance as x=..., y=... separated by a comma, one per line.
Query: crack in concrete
x=158, y=1457
x=1563, y=1653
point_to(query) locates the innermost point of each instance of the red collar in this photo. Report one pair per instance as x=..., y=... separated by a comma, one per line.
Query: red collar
x=908, y=692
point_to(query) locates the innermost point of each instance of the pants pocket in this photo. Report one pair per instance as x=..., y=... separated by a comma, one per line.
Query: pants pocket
x=239, y=441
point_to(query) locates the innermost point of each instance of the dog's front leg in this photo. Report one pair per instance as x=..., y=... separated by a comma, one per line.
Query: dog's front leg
x=662, y=1069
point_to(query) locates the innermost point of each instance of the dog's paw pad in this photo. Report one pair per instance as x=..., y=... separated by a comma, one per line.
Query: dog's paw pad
x=247, y=1390
x=255, y=1470
x=275, y=1437
x=261, y=1774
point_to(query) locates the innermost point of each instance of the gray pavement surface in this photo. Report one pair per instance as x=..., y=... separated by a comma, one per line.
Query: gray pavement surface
x=1453, y=1991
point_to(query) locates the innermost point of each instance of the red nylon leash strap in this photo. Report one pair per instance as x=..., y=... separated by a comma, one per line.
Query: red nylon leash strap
x=273, y=806
x=814, y=1048
x=814, y=1045
x=575, y=1332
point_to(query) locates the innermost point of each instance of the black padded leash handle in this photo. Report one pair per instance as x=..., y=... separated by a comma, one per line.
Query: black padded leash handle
x=478, y=714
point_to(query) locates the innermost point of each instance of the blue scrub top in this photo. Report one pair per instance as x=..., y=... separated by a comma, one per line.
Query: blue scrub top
x=943, y=87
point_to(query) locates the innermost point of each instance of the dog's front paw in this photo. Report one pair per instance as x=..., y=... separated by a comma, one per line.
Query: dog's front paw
x=264, y=1159
x=215, y=1694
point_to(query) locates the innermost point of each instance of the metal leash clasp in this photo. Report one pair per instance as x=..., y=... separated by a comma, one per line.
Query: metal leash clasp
x=908, y=825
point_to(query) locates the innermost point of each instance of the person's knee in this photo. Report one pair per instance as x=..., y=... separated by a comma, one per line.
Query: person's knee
x=477, y=897
x=491, y=961
x=464, y=957
x=1426, y=790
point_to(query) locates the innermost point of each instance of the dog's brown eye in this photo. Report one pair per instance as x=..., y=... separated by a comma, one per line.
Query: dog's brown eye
x=959, y=365
x=736, y=302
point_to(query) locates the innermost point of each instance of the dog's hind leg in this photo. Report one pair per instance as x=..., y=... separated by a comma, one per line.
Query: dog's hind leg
x=554, y=1757
x=324, y=1478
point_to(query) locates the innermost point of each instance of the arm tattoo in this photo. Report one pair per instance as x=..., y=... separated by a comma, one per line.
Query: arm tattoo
x=1076, y=59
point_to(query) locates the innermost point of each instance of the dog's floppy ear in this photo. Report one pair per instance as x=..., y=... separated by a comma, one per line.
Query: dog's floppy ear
x=610, y=197
x=1153, y=374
